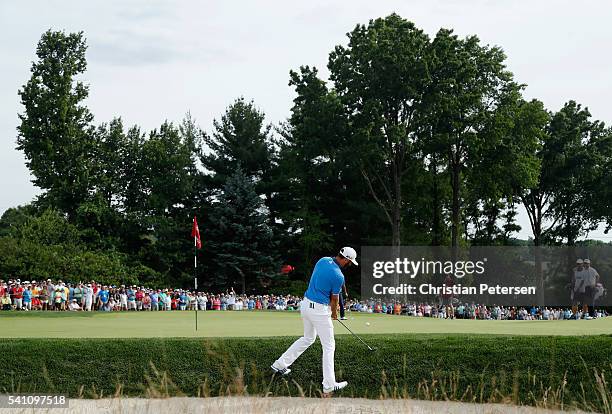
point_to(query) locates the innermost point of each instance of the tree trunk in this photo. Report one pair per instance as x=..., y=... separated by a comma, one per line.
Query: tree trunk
x=455, y=179
x=537, y=234
x=243, y=283
x=436, y=237
x=396, y=213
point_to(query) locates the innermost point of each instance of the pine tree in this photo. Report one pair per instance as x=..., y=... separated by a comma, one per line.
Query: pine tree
x=241, y=242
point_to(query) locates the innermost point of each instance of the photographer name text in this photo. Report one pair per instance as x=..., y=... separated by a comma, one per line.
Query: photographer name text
x=429, y=289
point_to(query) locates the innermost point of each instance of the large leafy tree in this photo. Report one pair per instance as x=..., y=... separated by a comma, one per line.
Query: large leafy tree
x=557, y=206
x=575, y=140
x=55, y=132
x=100, y=215
x=380, y=77
x=600, y=188
x=561, y=205
x=505, y=164
x=321, y=193
x=468, y=92
x=162, y=197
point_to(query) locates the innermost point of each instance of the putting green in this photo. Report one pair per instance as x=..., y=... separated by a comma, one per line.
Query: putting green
x=262, y=323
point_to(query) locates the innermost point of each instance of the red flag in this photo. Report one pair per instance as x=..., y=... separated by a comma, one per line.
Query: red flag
x=195, y=233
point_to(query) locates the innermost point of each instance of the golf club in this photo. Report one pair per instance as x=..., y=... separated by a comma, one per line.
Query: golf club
x=357, y=336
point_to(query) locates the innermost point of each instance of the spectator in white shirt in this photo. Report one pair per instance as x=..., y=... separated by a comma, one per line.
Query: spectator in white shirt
x=74, y=306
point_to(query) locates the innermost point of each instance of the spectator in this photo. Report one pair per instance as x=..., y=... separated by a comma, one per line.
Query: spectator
x=202, y=299
x=57, y=298
x=74, y=305
x=182, y=300
x=103, y=298
x=27, y=297
x=17, y=294
x=88, y=295
x=154, y=296
x=139, y=298
x=146, y=302
x=6, y=301
x=131, y=298
x=77, y=294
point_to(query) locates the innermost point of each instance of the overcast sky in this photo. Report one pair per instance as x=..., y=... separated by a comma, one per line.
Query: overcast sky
x=154, y=60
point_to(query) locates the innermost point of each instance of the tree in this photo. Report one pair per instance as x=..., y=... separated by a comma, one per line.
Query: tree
x=15, y=217
x=100, y=215
x=307, y=168
x=468, y=91
x=320, y=192
x=575, y=139
x=600, y=188
x=55, y=133
x=161, y=207
x=561, y=205
x=557, y=207
x=240, y=240
x=505, y=164
x=380, y=78
x=240, y=140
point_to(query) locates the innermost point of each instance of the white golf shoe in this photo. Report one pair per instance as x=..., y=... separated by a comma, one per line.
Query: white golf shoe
x=337, y=387
x=283, y=371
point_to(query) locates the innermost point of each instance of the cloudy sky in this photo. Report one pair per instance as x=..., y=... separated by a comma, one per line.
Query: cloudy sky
x=154, y=60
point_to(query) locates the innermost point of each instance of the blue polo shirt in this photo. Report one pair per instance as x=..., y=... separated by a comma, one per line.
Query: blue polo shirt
x=104, y=294
x=326, y=280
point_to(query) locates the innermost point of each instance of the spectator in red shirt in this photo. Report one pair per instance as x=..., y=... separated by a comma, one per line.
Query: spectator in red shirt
x=139, y=298
x=17, y=293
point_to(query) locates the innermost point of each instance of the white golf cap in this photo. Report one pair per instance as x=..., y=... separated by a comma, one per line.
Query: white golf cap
x=587, y=261
x=579, y=261
x=350, y=254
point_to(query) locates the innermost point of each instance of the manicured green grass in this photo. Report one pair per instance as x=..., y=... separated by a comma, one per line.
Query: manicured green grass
x=261, y=323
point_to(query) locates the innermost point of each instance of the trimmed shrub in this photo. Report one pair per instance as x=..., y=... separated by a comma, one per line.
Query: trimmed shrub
x=546, y=371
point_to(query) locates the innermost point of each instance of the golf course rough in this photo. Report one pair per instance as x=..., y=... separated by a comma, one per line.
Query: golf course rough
x=514, y=366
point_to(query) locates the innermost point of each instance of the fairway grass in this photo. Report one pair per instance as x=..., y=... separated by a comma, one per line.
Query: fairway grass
x=262, y=323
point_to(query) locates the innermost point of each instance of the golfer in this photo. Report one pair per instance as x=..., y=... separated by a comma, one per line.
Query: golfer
x=319, y=307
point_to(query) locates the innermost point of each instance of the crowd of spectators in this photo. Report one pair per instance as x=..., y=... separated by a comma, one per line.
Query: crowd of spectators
x=48, y=295
x=474, y=311
x=60, y=296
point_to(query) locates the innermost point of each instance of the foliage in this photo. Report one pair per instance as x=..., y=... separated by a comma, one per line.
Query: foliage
x=414, y=140
x=48, y=246
x=242, y=243
x=55, y=133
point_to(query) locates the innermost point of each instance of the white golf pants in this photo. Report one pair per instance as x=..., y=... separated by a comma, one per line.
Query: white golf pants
x=317, y=321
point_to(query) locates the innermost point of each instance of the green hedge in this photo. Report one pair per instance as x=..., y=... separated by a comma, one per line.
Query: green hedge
x=526, y=370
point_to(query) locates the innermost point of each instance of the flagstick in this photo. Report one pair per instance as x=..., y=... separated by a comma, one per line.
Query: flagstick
x=195, y=276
